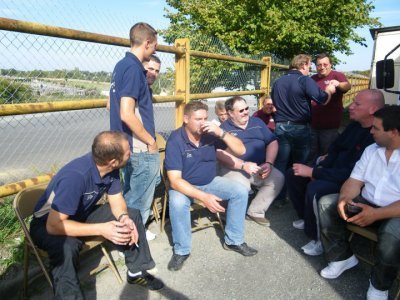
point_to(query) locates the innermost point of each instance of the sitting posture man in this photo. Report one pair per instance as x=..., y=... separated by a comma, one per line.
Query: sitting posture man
x=376, y=178
x=191, y=168
x=306, y=185
x=256, y=165
x=67, y=210
x=220, y=112
x=267, y=112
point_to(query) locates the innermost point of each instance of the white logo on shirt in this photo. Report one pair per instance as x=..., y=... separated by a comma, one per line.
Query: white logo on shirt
x=189, y=155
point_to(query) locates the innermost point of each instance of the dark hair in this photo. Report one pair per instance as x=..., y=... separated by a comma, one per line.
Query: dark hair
x=141, y=32
x=231, y=102
x=155, y=58
x=107, y=145
x=321, y=56
x=299, y=61
x=194, y=106
x=390, y=116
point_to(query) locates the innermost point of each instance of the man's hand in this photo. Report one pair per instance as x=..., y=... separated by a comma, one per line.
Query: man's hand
x=152, y=148
x=265, y=170
x=364, y=218
x=334, y=82
x=119, y=233
x=131, y=225
x=211, y=128
x=212, y=203
x=302, y=170
x=330, y=88
x=341, y=207
x=251, y=168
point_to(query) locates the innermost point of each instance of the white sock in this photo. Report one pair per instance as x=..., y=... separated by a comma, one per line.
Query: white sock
x=134, y=274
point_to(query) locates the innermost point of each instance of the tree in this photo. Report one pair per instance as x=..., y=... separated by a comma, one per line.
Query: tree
x=284, y=28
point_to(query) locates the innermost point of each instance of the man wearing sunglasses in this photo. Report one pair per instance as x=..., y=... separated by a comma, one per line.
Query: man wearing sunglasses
x=255, y=167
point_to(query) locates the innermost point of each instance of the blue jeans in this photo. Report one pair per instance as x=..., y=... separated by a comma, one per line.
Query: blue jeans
x=141, y=174
x=334, y=239
x=179, y=213
x=294, y=147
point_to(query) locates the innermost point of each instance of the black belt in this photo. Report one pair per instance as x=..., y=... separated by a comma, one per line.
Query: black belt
x=292, y=123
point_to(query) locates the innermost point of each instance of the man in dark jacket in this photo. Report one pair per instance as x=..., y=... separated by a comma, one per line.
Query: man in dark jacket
x=306, y=185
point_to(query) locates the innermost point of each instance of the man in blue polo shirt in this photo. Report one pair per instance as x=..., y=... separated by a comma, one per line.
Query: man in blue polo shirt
x=191, y=168
x=67, y=210
x=292, y=94
x=131, y=111
x=256, y=165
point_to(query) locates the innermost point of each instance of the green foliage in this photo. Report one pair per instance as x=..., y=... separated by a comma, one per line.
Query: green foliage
x=284, y=28
x=365, y=73
x=15, y=92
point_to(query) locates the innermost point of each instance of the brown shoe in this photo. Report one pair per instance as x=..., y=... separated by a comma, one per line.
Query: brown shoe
x=259, y=220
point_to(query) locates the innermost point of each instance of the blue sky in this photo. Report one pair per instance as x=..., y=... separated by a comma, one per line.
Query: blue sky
x=116, y=17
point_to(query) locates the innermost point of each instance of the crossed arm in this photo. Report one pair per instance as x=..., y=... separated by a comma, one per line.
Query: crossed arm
x=120, y=232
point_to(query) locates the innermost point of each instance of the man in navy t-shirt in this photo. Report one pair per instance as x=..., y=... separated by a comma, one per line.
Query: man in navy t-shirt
x=131, y=111
x=256, y=165
x=67, y=211
x=191, y=168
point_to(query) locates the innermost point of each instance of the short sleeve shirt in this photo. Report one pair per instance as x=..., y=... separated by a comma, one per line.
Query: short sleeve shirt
x=381, y=178
x=328, y=116
x=255, y=137
x=129, y=80
x=76, y=188
x=197, y=164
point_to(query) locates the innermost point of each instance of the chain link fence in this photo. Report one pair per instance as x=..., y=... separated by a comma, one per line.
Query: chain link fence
x=35, y=68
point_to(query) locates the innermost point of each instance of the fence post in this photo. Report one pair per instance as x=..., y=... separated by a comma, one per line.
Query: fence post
x=265, y=78
x=182, y=76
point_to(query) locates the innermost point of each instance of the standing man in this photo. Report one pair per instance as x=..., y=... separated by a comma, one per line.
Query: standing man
x=131, y=111
x=373, y=188
x=191, y=168
x=306, y=185
x=267, y=112
x=256, y=165
x=67, y=210
x=292, y=94
x=326, y=119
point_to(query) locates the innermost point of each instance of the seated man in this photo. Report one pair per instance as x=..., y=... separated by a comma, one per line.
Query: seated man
x=306, y=185
x=256, y=165
x=376, y=178
x=191, y=168
x=267, y=112
x=67, y=210
x=220, y=112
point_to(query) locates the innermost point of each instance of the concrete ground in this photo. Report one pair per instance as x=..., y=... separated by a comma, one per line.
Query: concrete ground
x=279, y=271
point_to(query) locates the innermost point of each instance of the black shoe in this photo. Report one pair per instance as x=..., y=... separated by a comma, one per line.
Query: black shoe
x=242, y=249
x=176, y=262
x=146, y=280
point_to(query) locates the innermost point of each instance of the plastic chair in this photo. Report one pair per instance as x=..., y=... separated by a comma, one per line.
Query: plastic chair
x=24, y=204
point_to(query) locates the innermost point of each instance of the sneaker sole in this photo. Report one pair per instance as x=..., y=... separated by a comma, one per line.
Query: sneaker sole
x=351, y=265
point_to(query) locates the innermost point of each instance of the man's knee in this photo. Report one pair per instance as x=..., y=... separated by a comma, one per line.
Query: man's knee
x=388, y=248
x=178, y=201
x=328, y=203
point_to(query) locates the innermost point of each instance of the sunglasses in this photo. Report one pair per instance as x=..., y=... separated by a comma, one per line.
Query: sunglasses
x=243, y=109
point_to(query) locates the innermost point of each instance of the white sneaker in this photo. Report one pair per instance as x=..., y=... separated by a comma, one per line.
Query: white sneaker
x=150, y=236
x=299, y=224
x=313, y=250
x=336, y=268
x=374, y=294
x=121, y=254
x=309, y=245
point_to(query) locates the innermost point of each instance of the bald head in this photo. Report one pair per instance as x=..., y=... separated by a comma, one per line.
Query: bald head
x=364, y=105
x=108, y=145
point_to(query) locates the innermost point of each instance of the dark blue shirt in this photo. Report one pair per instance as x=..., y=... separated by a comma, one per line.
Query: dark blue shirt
x=76, y=188
x=255, y=137
x=292, y=94
x=129, y=80
x=197, y=164
x=343, y=154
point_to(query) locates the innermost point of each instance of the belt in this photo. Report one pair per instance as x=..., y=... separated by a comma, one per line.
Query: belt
x=293, y=123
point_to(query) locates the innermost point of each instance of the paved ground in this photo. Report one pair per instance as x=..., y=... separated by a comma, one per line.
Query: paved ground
x=278, y=271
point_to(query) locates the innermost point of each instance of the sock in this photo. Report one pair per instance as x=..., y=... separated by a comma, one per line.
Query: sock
x=134, y=274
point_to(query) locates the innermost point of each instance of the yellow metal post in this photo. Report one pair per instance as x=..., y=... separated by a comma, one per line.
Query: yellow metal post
x=182, y=75
x=265, y=77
